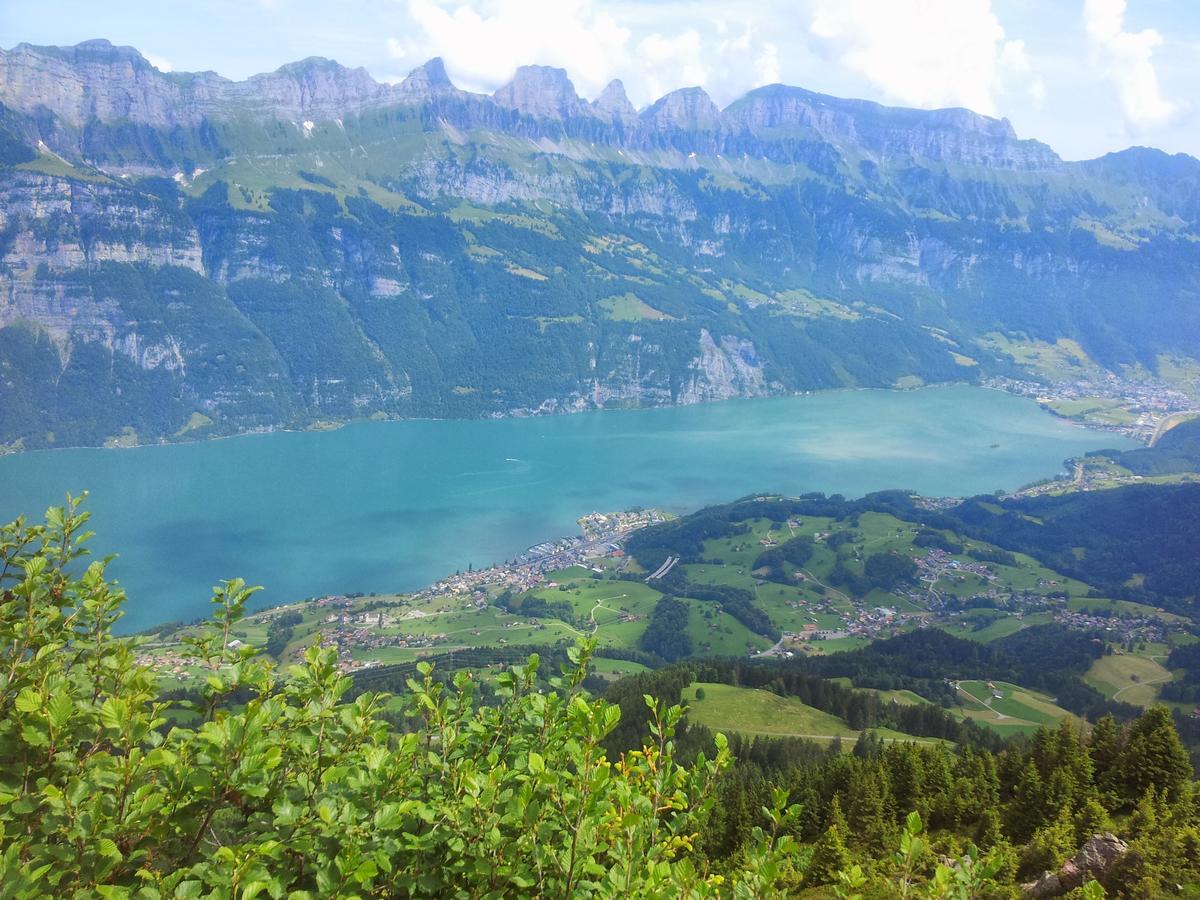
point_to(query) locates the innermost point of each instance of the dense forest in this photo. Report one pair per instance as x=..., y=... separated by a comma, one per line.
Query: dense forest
x=1176, y=451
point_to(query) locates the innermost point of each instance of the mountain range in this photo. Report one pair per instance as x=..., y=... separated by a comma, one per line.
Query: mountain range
x=184, y=255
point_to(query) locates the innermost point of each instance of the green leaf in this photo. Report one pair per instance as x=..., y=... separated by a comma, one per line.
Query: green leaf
x=112, y=713
x=537, y=764
x=28, y=701
x=59, y=709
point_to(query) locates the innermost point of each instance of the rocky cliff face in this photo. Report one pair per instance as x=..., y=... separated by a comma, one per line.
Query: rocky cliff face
x=96, y=81
x=310, y=244
x=542, y=92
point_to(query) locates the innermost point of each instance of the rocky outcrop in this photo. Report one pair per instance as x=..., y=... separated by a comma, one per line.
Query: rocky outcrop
x=613, y=104
x=59, y=228
x=97, y=82
x=724, y=370
x=427, y=82
x=100, y=81
x=1093, y=861
x=542, y=92
x=687, y=109
x=949, y=135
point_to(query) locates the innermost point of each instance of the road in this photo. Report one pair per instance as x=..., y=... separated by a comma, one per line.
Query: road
x=663, y=570
x=1170, y=422
x=1159, y=680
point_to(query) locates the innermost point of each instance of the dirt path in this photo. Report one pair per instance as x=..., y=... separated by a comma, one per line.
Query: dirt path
x=813, y=578
x=1159, y=680
x=987, y=704
x=600, y=605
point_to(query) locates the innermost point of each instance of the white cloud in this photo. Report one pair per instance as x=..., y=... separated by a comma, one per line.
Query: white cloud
x=1128, y=60
x=671, y=62
x=925, y=53
x=158, y=62
x=484, y=41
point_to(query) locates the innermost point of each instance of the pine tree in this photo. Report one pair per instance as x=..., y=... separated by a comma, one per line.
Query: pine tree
x=1104, y=747
x=1154, y=757
x=1051, y=845
x=988, y=833
x=830, y=856
x=870, y=825
x=1027, y=812
x=1091, y=819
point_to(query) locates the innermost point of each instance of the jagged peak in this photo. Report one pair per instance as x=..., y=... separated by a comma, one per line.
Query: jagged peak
x=614, y=103
x=541, y=91
x=428, y=80
x=313, y=64
x=689, y=108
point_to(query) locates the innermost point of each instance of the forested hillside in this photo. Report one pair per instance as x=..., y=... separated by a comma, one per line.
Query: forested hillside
x=182, y=256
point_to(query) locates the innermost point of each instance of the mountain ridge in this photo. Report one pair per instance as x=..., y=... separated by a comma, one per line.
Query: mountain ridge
x=32, y=78
x=183, y=255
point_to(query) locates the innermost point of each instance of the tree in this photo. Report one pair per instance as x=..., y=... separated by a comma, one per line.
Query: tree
x=666, y=633
x=830, y=855
x=1051, y=846
x=1104, y=747
x=868, y=821
x=1153, y=757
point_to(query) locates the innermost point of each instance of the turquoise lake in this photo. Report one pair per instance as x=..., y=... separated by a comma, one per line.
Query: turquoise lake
x=393, y=506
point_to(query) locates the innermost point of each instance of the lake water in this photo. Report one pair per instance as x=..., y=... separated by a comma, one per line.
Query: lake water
x=386, y=506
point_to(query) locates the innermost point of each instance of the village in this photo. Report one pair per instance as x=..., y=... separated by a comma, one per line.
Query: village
x=1145, y=402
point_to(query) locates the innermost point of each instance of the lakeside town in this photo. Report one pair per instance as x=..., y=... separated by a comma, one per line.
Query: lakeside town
x=355, y=624
x=1138, y=408
x=368, y=630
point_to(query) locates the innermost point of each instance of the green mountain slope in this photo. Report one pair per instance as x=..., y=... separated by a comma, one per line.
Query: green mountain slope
x=415, y=250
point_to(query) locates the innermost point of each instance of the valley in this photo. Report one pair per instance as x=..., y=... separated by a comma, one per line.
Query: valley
x=738, y=601
x=455, y=480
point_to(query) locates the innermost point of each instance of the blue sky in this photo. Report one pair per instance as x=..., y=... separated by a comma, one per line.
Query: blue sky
x=1085, y=76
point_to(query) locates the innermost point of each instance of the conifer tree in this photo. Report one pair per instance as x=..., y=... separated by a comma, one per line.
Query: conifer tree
x=830, y=856
x=1027, y=812
x=1091, y=819
x=1104, y=747
x=1051, y=845
x=1154, y=758
x=870, y=825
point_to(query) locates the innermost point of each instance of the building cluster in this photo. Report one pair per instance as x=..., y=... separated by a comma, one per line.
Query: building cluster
x=1138, y=629
x=940, y=563
x=608, y=526
x=602, y=535
x=1149, y=400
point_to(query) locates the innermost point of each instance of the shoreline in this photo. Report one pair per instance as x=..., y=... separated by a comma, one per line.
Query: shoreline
x=327, y=425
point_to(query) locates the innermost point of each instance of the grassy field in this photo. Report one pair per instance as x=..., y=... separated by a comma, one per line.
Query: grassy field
x=748, y=711
x=1128, y=677
x=1017, y=709
x=612, y=669
x=1001, y=626
x=630, y=308
x=716, y=633
x=756, y=712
